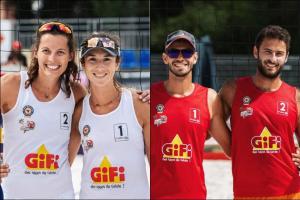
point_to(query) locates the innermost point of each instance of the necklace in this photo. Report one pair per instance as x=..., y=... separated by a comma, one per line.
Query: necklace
x=41, y=93
x=109, y=102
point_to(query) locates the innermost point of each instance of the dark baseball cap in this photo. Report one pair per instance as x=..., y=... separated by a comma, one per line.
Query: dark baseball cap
x=180, y=34
x=102, y=42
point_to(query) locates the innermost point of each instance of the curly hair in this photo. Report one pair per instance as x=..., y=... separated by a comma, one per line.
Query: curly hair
x=69, y=74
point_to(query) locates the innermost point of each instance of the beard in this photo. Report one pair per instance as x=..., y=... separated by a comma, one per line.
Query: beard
x=264, y=72
x=180, y=74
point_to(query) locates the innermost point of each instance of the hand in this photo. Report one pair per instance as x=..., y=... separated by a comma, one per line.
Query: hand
x=296, y=157
x=4, y=170
x=144, y=96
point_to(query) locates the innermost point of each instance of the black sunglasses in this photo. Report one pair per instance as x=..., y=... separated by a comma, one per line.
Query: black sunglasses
x=174, y=53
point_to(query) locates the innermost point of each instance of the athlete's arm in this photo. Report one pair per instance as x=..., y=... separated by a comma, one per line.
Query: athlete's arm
x=142, y=111
x=218, y=129
x=296, y=156
x=226, y=94
x=75, y=137
x=298, y=122
x=9, y=89
x=78, y=90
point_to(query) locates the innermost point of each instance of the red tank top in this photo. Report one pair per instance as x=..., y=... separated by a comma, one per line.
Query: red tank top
x=263, y=124
x=178, y=131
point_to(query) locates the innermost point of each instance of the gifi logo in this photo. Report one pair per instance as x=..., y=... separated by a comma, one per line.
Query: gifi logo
x=176, y=150
x=106, y=173
x=266, y=143
x=42, y=160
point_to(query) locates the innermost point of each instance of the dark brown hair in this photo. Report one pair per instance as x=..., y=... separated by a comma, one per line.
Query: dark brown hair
x=273, y=32
x=113, y=37
x=72, y=68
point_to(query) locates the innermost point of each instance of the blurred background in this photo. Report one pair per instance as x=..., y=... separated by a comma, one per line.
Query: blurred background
x=225, y=31
x=129, y=19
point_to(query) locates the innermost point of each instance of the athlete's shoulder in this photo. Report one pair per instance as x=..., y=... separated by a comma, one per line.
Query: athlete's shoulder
x=230, y=86
x=227, y=91
x=11, y=77
x=79, y=90
x=288, y=86
x=212, y=97
x=10, y=85
x=298, y=95
x=211, y=93
x=200, y=87
x=10, y=82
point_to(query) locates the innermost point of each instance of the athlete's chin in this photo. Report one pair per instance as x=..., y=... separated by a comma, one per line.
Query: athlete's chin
x=181, y=73
x=271, y=75
x=52, y=73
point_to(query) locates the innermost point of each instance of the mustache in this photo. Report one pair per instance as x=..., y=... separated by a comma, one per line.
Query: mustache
x=180, y=62
x=270, y=62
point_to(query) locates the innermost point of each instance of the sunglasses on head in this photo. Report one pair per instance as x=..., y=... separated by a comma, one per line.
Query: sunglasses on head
x=55, y=26
x=174, y=53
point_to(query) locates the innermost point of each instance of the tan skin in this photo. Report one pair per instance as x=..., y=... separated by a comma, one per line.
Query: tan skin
x=296, y=156
x=181, y=86
x=273, y=50
x=53, y=56
x=100, y=68
x=53, y=52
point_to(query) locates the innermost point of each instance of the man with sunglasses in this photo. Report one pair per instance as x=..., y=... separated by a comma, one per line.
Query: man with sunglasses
x=183, y=113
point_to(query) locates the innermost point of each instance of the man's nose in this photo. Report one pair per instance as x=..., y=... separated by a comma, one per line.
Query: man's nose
x=180, y=56
x=273, y=57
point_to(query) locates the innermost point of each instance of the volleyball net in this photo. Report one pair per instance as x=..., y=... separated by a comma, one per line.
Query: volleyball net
x=134, y=33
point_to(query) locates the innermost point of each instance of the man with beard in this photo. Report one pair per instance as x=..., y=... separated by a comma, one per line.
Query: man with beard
x=265, y=114
x=182, y=115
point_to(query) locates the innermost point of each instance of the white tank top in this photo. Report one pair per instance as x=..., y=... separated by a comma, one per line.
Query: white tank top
x=114, y=162
x=36, y=138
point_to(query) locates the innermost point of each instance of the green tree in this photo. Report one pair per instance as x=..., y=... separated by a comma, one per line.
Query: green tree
x=232, y=25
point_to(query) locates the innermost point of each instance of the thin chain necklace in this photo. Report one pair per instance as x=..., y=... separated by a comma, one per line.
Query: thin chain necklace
x=45, y=94
x=109, y=102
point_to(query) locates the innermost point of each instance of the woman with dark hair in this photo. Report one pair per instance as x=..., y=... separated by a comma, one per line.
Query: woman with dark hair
x=37, y=108
x=113, y=126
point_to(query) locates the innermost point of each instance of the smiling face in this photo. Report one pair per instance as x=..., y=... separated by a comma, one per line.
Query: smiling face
x=180, y=66
x=53, y=55
x=271, y=56
x=100, y=67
